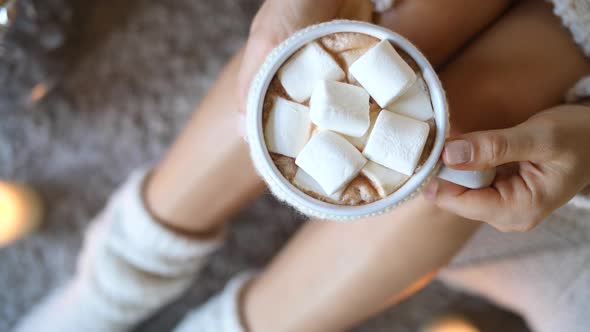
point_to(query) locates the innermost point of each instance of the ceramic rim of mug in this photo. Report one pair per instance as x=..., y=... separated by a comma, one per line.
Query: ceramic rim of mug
x=283, y=188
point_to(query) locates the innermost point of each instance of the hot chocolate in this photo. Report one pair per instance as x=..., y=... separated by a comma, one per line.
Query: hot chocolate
x=348, y=119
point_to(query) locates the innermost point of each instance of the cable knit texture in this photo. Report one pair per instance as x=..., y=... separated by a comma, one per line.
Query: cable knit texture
x=221, y=313
x=130, y=266
x=575, y=15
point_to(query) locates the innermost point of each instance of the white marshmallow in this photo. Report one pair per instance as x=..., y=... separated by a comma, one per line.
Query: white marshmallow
x=383, y=73
x=397, y=142
x=304, y=181
x=360, y=142
x=310, y=64
x=340, y=107
x=384, y=179
x=415, y=102
x=330, y=160
x=287, y=128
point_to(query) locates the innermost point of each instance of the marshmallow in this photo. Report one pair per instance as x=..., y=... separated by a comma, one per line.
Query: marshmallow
x=360, y=142
x=383, y=73
x=415, y=102
x=305, y=182
x=310, y=64
x=340, y=107
x=287, y=128
x=330, y=160
x=397, y=142
x=384, y=180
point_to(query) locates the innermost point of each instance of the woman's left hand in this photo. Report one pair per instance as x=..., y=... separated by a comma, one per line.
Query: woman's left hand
x=544, y=162
x=278, y=19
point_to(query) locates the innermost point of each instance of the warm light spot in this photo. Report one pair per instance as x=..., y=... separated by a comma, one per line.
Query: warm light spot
x=7, y=210
x=413, y=288
x=451, y=324
x=21, y=212
x=39, y=91
x=9, y=216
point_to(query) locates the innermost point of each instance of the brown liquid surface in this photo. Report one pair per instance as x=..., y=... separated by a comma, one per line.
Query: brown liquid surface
x=345, y=48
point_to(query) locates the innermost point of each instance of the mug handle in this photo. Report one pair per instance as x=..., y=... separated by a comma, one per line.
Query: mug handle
x=469, y=179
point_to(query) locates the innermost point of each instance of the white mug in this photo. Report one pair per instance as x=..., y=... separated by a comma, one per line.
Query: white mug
x=308, y=205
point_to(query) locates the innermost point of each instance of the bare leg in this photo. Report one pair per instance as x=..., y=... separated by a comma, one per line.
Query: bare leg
x=331, y=276
x=207, y=175
x=520, y=67
x=441, y=29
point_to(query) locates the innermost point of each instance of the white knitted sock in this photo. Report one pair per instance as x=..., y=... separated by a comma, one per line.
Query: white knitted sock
x=575, y=15
x=221, y=313
x=130, y=266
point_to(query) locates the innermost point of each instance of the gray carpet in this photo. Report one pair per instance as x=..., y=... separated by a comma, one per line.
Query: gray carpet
x=132, y=76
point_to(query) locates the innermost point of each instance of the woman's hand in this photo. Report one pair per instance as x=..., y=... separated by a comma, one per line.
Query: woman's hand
x=545, y=162
x=439, y=29
x=278, y=19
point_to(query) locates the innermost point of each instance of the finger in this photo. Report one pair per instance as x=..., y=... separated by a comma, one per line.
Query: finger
x=456, y=198
x=514, y=203
x=257, y=47
x=441, y=28
x=432, y=189
x=505, y=92
x=486, y=149
x=438, y=29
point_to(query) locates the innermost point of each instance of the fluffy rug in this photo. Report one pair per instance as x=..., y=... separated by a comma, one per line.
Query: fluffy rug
x=132, y=77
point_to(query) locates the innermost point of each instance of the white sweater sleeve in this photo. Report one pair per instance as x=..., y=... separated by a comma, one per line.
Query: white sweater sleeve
x=129, y=267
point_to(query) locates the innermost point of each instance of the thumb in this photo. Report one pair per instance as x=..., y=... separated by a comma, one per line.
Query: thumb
x=487, y=149
x=257, y=47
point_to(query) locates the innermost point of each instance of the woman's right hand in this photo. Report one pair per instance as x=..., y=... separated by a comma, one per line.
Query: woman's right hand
x=550, y=158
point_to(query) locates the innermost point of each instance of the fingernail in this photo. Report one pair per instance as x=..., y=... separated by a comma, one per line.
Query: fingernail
x=430, y=190
x=458, y=152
